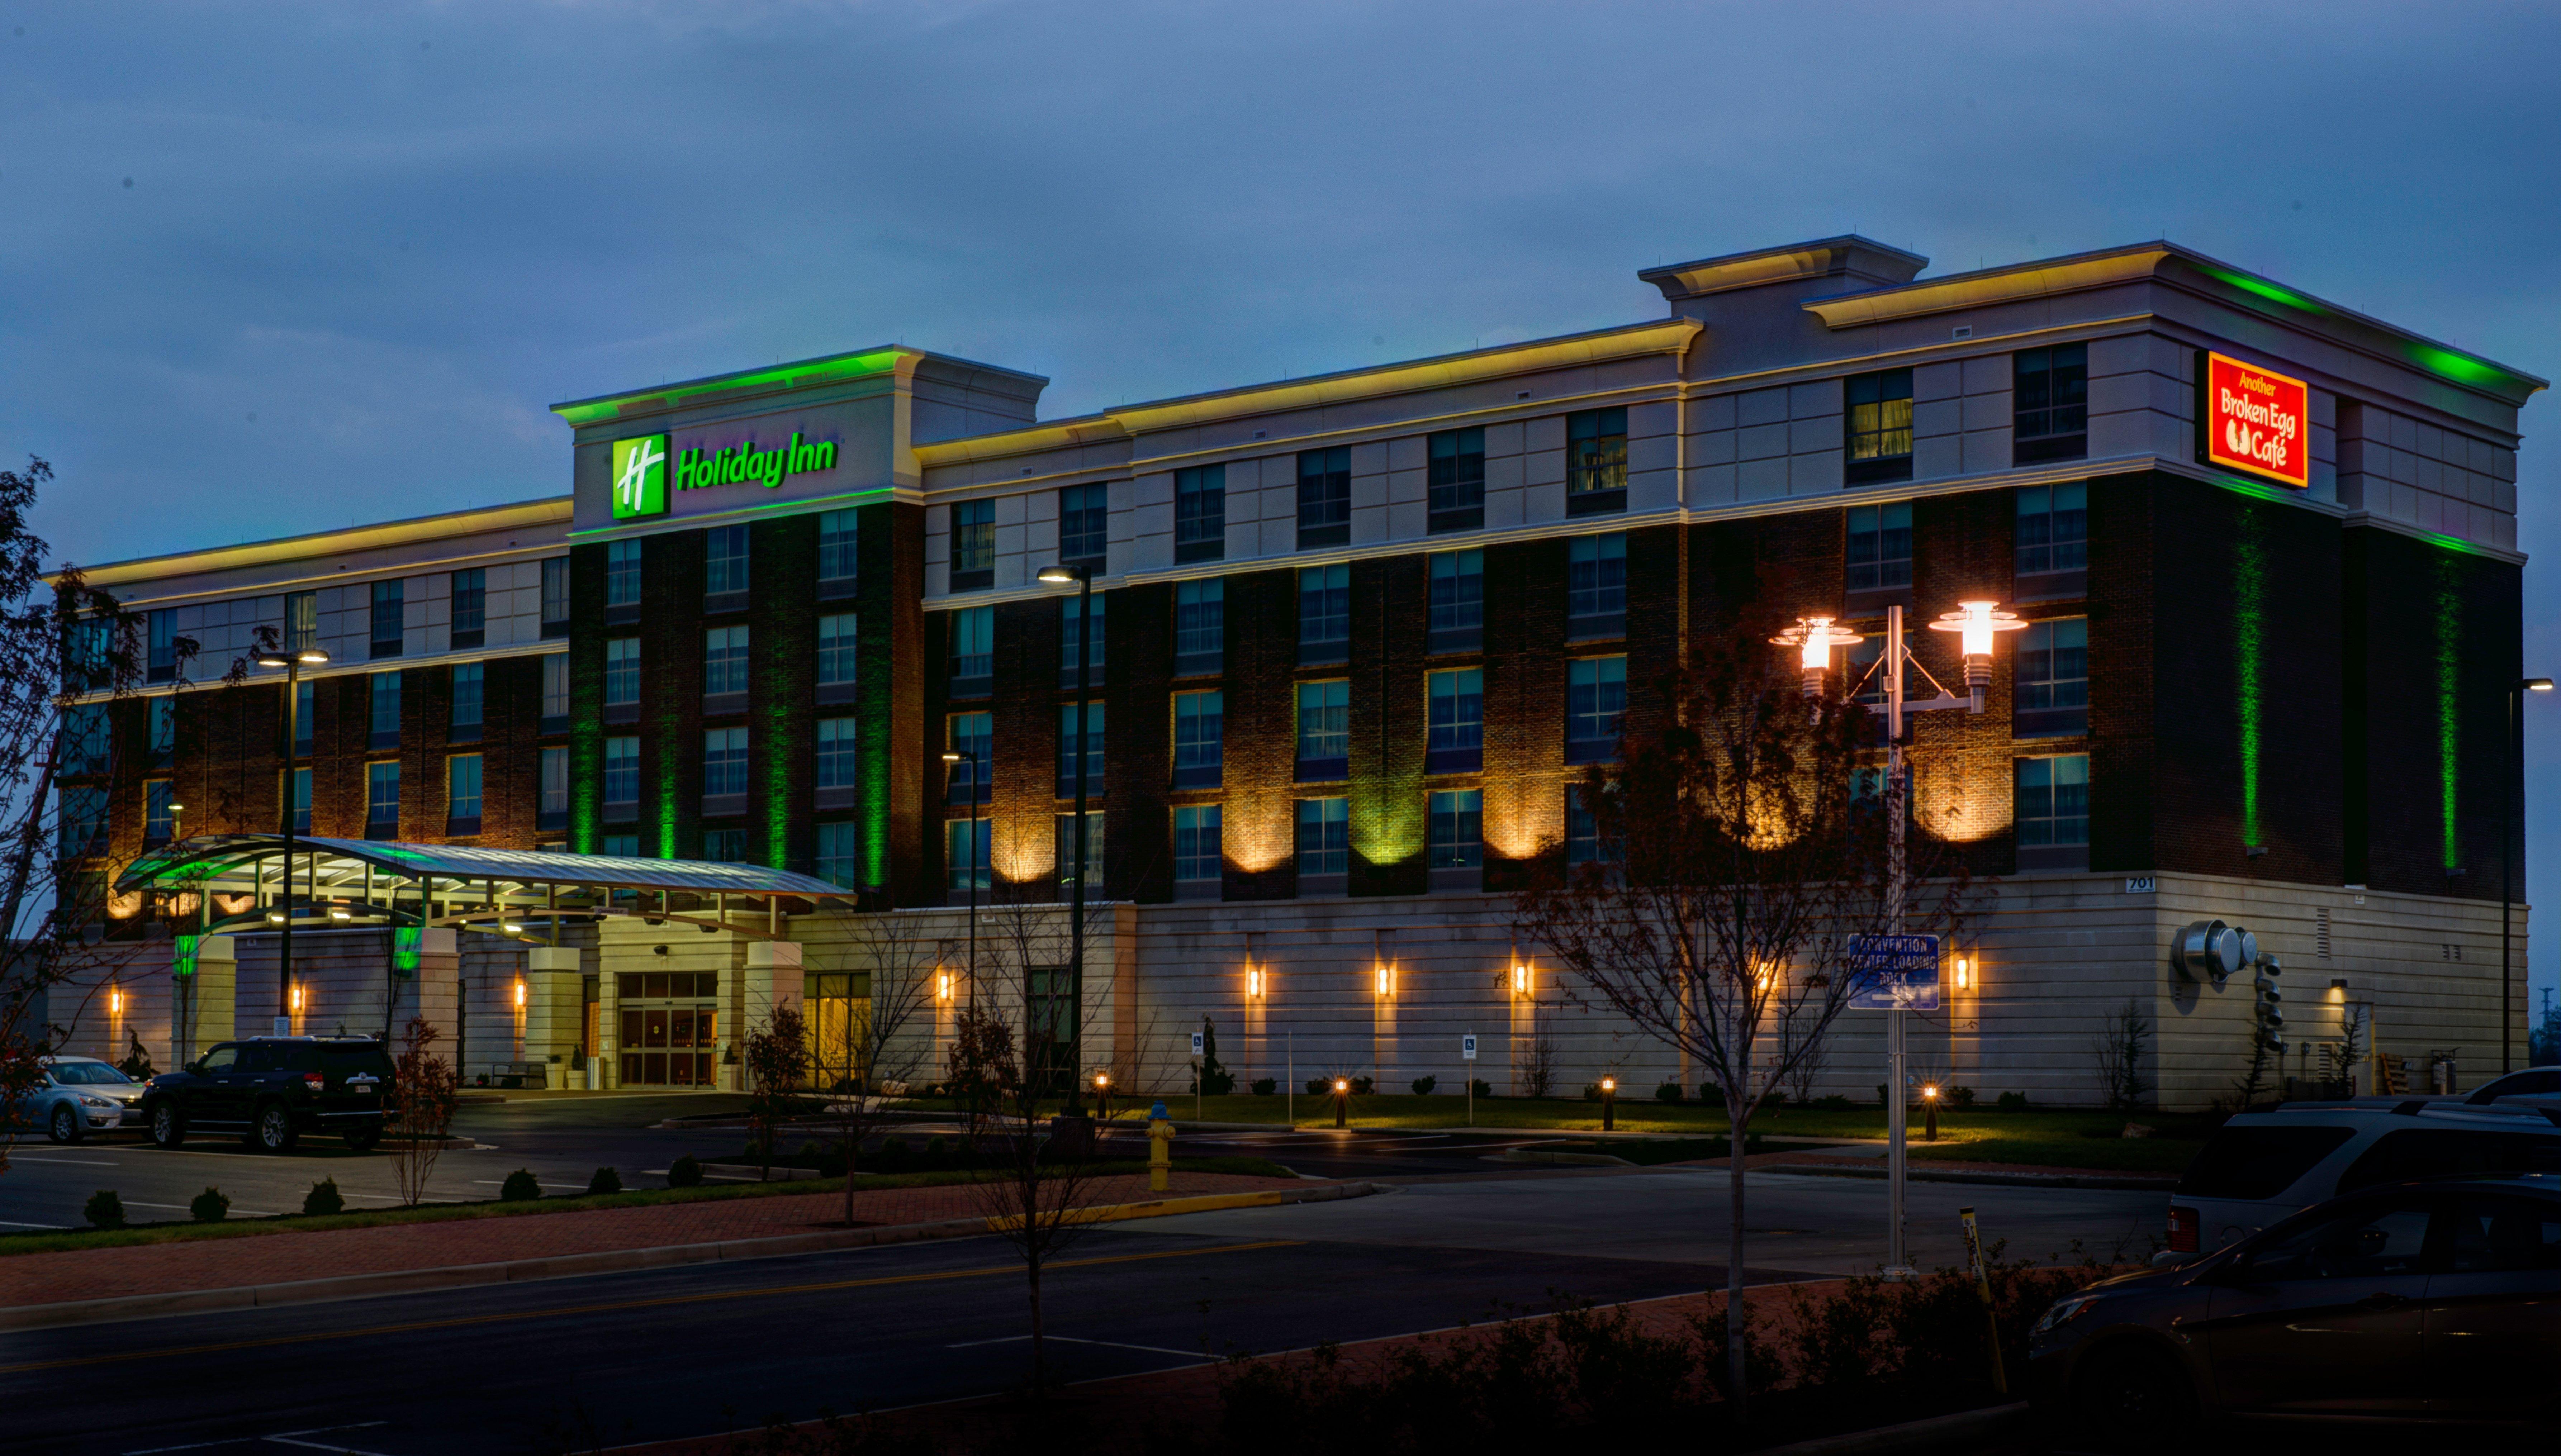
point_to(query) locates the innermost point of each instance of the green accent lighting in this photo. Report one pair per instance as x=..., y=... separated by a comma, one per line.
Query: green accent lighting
x=2248, y=627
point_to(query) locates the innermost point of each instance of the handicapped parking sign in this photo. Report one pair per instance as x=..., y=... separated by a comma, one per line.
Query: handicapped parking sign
x=1467, y=1048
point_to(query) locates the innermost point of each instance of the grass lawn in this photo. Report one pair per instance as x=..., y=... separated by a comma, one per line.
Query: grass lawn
x=181, y=1229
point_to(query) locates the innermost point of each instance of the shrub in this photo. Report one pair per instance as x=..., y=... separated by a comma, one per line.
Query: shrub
x=1961, y=1096
x=521, y=1187
x=1881, y=1100
x=103, y=1210
x=1485, y=1088
x=1265, y=1086
x=1834, y=1102
x=894, y=1154
x=2011, y=1102
x=606, y=1180
x=208, y=1207
x=1362, y=1086
x=685, y=1171
x=1591, y=1091
x=1668, y=1092
x=1712, y=1094
x=324, y=1198
x=1423, y=1085
x=938, y=1153
x=1318, y=1086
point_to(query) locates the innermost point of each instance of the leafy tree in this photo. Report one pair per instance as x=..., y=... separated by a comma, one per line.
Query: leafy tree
x=426, y=1093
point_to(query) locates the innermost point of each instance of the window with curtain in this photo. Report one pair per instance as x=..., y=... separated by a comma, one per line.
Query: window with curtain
x=1596, y=694
x=2050, y=403
x=966, y=842
x=1324, y=730
x=158, y=820
x=471, y=606
x=1457, y=486
x=622, y=574
x=1324, y=841
x=1324, y=613
x=972, y=736
x=1455, y=722
x=1069, y=741
x=621, y=772
x=1456, y=832
x=1196, y=843
x=382, y=800
x=554, y=807
x=1325, y=497
x=1876, y=435
x=974, y=546
x=384, y=703
x=1068, y=617
x=724, y=762
x=2051, y=807
x=2053, y=531
x=837, y=650
x=837, y=738
x=1458, y=600
x=837, y=530
x=1199, y=752
x=1200, y=514
x=621, y=672
x=1596, y=584
x=973, y=650
x=388, y=616
x=556, y=596
x=554, y=693
x=1200, y=626
x=2050, y=679
x=724, y=661
x=1595, y=460
x=839, y=853
x=469, y=678
x=1878, y=547
x=1084, y=524
x=463, y=793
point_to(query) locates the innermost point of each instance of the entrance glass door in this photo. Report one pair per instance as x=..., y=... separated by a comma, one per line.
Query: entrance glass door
x=670, y=1028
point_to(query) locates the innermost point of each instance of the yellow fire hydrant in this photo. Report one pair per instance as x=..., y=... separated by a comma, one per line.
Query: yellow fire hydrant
x=1160, y=1148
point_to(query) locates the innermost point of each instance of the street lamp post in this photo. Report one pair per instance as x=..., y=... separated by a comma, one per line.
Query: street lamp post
x=2507, y=858
x=950, y=766
x=292, y=660
x=1083, y=577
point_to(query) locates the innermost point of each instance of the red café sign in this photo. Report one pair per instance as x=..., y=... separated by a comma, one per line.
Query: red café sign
x=2257, y=420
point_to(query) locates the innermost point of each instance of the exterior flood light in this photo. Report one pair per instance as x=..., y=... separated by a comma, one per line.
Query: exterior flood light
x=1814, y=638
x=1975, y=624
x=942, y=986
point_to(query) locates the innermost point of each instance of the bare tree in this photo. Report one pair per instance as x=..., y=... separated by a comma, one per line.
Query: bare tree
x=426, y=1093
x=1736, y=864
x=777, y=1056
x=2118, y=1050
x=888, y=1037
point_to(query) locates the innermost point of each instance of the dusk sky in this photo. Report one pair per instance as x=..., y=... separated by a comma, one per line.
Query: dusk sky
x=281, y=267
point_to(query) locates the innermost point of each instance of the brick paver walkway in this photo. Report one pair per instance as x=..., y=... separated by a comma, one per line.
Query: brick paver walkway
x=276, y=1259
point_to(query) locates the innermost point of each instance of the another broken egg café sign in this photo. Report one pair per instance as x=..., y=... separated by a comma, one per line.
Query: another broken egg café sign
x=641, y=477
x=2255, y=419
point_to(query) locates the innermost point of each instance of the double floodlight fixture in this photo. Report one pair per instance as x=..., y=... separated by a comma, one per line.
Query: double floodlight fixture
x=298, y=657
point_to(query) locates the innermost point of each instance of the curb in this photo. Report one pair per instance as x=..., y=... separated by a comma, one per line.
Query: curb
x=610, y=1261
x=2122, y=1182
x=1966, y=1428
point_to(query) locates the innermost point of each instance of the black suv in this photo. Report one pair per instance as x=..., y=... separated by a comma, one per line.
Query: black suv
x=272, y=1090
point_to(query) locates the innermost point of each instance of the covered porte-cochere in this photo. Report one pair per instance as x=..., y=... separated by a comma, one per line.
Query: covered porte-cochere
x=536, y=968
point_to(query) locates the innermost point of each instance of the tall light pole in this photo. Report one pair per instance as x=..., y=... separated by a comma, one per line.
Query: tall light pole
x=292, y=660
x=2508, y=792
x=1978, y=623
x=1060, y=575
x=950, y=766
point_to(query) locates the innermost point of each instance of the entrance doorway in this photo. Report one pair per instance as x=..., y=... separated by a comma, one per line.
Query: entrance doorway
x=670, y=1027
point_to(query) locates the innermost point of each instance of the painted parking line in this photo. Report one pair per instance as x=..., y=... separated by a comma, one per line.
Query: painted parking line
x=58, y=1158
x=287, y=1437
x=716, y=1296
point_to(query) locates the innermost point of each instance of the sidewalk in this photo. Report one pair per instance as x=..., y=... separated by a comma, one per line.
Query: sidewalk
x=36, y=1289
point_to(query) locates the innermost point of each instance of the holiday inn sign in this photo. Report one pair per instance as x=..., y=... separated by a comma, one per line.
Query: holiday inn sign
x=640, y=477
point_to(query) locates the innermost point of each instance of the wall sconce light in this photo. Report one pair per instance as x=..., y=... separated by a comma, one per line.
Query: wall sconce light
x=942, y=986
x=1386, y=980
x=1254, y=983
x=1520, y=980
x=2339, y=993
x=520, y=996
x=297, y=998
x=1761, y=982
x=115, y=1002
x=1964, y=974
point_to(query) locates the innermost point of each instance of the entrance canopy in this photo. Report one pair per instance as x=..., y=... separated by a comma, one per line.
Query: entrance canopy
x=349, y=881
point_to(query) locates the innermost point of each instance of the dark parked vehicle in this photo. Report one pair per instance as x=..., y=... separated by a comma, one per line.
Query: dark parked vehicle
x=272, y=1090
x=2436, y=1301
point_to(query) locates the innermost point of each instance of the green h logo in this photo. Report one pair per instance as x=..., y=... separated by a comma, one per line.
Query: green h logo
x=640, y=477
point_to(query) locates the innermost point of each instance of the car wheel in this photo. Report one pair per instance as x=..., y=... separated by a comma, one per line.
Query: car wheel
x=66, y=1126
x=2137, y=1401
x=168, y=1129
x=362, y=1139
x=274, y=1130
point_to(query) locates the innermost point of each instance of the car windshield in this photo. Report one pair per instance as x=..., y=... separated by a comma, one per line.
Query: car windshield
x=87, y=1074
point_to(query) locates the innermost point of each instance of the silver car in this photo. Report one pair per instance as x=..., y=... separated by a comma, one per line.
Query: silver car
x=82, y=1095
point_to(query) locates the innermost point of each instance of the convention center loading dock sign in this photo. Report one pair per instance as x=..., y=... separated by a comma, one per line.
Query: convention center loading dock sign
x=640, y=469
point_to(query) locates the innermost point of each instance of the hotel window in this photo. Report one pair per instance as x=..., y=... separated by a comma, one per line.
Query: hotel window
x=462, y=722
x=1325, y=497
x=2051, y=812
x=1458, y=601
x=1085, y=525
x=83, y=823
x=1325, y=614
x=2051, y=683
x=972, y=736
x=1325, y=731
x=1456, y=721
x=838, y=745
x=382, y=800
x=556, y=596
x=1596, y=694
x=303, y=693
x=965, y=842
x=725, y=846
x=1065, y=849
x=837, y=653
x=383, y=713
x=301, y=620
x=622, y=846
x=1596, y=587
x=621, y=777
x=463, y=794
x=84, y=740
x=551, y=812
x=2053, y=538
x=1068, y=742
x=621, y=678
x=1878, y=552
x=2050, y=403
x=622, y=580
x=1324, y=840
x=1457, y=834
x=1199, y=752
x=1200, y=514
x=1458, y=480
x=724, y=667
x=1877, y=434
x=1596, y=461
x=554, y=716
x=724, y=583
x=974, y=546
x=471, y=606
x=974, y=652
x=1196, y=849
x=87, y=659
x=158, y=822
x=839, y=852
x=724, y=771
x=1070, y=613
x=1200, y=627
x=389, y=611
x=160, y=630
x=1581, y=829
x=163, y=729
x=837, y=565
